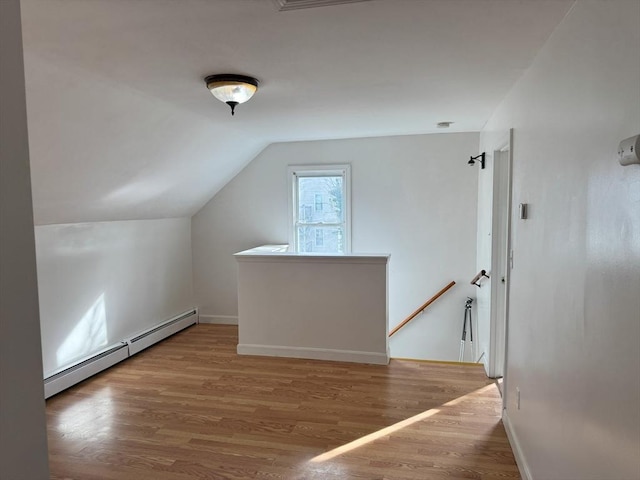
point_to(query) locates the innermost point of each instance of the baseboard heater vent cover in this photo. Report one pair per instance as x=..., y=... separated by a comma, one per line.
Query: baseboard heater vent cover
x=149, y=337
x=84, y=369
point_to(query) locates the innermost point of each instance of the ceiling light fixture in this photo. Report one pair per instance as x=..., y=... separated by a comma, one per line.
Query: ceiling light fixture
x=232, y=89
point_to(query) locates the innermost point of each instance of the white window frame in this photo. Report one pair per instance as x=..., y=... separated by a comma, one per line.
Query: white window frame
x=296, y=171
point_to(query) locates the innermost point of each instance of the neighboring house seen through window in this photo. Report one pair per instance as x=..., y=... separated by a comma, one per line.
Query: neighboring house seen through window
x=319, y=200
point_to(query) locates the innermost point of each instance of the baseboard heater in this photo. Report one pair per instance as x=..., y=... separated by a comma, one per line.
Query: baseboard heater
x=87, y=367
x=84, y=369
x=153, y=335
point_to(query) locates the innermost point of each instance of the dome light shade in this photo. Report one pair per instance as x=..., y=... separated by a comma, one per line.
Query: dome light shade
x=232, y=89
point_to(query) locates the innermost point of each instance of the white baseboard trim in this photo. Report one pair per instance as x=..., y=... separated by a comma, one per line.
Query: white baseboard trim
x=314, y=353
x=219, y=319
x=525, y=473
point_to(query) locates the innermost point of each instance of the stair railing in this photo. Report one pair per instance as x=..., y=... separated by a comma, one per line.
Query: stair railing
x=422, y=308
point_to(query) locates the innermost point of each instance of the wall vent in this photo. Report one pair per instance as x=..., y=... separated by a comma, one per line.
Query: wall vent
x=284, y=5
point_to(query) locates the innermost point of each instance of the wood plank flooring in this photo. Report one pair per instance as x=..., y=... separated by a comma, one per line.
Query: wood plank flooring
x=190, y=408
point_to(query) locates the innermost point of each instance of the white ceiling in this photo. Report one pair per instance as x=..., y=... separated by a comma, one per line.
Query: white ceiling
x=121, y=125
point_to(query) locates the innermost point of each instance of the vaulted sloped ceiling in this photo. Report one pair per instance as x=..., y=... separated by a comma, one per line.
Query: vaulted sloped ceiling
x=121, y=125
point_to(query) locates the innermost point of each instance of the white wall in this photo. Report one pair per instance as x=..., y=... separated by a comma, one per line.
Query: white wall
x=573, y=339
x=23, y=439
x=103, y=282
x=412, y=196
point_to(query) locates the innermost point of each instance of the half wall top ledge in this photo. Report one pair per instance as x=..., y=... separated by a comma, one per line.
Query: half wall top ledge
x=281, y=253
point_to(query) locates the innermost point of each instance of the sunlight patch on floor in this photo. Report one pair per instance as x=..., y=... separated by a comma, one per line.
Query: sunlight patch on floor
x=373, y=436
x=348, y=447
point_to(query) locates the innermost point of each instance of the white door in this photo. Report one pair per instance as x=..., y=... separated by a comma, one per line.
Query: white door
x=500, y=259
x=494, y=207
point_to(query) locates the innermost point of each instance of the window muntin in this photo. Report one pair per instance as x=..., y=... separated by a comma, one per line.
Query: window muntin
x=320, y=209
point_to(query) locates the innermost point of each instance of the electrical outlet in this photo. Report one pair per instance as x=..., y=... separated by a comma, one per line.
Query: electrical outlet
x=517, y=398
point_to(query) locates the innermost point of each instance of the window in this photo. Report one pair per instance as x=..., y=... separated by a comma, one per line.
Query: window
x=319, y=200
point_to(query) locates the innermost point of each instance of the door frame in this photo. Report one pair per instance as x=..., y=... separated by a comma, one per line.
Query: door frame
x=500, y=255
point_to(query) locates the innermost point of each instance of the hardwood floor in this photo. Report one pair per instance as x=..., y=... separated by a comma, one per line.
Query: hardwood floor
x=191, y=408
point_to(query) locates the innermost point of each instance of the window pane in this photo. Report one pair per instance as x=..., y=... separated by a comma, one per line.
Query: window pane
x=320, y=239
x=320, y=196
x=320, y=199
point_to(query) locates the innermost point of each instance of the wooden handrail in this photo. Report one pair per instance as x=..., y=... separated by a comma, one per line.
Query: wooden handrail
x=426, y=304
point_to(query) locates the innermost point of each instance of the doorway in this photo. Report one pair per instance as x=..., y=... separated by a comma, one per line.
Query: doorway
x=493, y=253
x=501, y=256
